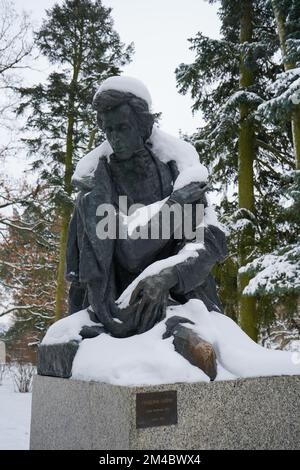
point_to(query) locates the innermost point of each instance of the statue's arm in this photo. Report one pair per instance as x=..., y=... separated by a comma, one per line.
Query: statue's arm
x=139, y=253
x=192, y=272
x=150, y=296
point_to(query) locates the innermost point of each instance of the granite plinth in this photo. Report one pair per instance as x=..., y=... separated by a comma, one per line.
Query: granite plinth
x=254, y=413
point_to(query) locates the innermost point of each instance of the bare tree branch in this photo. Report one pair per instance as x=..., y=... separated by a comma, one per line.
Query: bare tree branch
x=28, y=307
x=15, y=43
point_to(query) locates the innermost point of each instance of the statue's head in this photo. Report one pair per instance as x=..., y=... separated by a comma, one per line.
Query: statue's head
x=123, y=115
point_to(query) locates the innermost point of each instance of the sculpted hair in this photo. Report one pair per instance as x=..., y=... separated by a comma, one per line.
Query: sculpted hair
x=110, y=99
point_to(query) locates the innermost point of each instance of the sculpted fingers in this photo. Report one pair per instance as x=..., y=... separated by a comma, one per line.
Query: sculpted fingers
x=138, y=315
x=189, y=193
x=136, y=292
x=164, y=307
x=149, y=317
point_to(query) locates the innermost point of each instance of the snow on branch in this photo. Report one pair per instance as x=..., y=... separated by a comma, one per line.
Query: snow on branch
x=277, y=273
x=286, y=95
x=29, y=307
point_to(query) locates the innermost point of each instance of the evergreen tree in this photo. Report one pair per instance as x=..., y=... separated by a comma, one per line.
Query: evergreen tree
x=246, y=156
x=287, y=14
x=278, y=273
x=79, y=39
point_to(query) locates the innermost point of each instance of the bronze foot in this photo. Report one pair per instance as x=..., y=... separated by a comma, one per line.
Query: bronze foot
x=196, y=350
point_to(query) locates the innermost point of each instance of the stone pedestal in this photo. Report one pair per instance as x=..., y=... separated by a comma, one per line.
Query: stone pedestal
x=255, y=413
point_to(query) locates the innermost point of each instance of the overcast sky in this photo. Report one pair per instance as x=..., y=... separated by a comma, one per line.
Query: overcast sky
x=159, y=30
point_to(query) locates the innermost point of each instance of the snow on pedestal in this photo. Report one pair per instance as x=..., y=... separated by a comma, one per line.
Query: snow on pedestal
x=147, y=359
x=97, y=408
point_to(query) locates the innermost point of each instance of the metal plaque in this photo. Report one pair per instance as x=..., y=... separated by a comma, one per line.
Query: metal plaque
x=156, y=409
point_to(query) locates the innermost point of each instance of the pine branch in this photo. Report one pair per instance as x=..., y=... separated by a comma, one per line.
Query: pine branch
x=281, y=157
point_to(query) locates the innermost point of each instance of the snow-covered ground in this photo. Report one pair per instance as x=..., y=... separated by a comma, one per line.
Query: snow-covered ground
x=15, y=409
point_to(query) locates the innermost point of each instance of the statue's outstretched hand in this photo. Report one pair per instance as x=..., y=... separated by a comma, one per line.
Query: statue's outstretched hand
x=151, y=298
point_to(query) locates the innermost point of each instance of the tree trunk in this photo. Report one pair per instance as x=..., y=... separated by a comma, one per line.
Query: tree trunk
x=247, y=153
x=67, y=206
x=295, y=118
x=60, y=280
x=65, y=218
x=296, y=136
x=66, y=209
x=92, y=139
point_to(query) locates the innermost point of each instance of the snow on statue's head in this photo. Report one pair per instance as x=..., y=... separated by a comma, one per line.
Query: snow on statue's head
x=117, y=91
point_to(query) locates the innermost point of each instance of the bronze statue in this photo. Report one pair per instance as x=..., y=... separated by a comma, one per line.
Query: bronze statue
x=100, y=269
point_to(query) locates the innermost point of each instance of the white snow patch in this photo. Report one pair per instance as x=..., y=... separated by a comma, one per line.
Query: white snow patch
x=68, y=328
x=167, y=147
x=275, y=272
x=164, y=146
x=6, y=322
x=195, y=173
x=140, y=359
x=87, y=165
x=126, y=84
x=210, y=218
x=188, y=251
x=15, y=411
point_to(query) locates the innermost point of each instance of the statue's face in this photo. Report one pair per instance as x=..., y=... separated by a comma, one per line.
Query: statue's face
x=122, y=131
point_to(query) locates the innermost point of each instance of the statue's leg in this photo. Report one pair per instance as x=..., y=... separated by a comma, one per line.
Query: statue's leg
x=191, y=346
x=77, y=295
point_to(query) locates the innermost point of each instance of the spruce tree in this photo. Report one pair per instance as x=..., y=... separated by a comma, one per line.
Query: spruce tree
x=246, y=156
x=278, y=273
x=287, y=15
x=79, y=40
